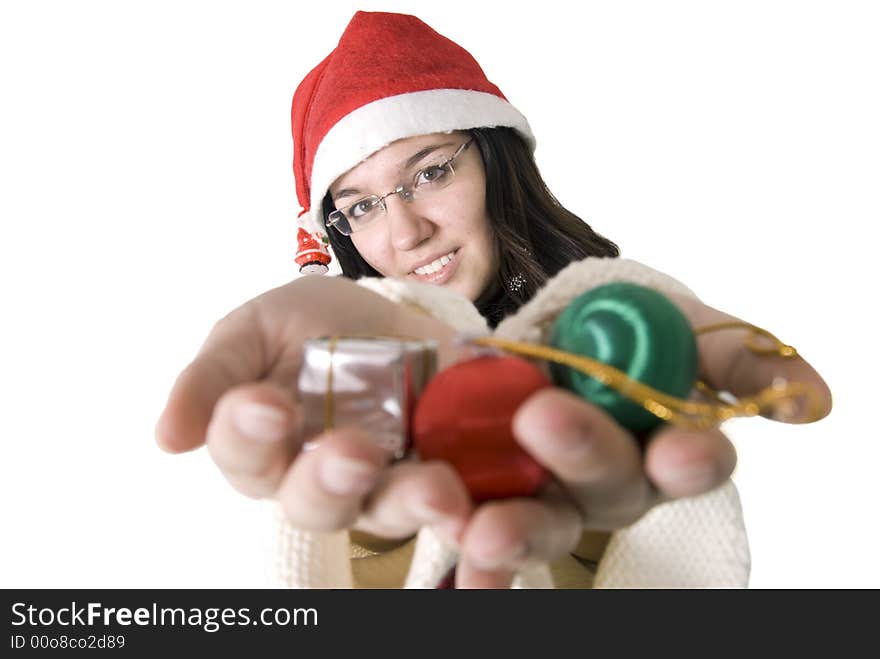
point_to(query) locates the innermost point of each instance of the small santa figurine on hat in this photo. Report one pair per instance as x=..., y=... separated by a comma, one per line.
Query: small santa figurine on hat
x=312, y=254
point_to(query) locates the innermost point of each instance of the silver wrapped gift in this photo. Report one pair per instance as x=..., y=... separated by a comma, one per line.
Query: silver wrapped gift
x=372, y=383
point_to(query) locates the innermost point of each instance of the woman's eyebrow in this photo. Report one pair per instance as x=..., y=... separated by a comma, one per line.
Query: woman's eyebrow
x=428, y=150
x=347, y=192
x=412, y=160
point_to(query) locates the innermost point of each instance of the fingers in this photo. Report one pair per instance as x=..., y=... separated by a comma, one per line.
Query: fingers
x=325, y=487
x=233, y=354
x=600, y=465
x=727, y=364
x=502, y=536
x=253, y=437
x=684, y=462
x=411, y=495
x=469, y=576
x=597, y=461
x=343, y=483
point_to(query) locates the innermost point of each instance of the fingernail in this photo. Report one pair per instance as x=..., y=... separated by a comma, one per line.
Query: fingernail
x=505, y=557
x=573, y=444
x=261, y=422
x=693, y=478
x=346, y=476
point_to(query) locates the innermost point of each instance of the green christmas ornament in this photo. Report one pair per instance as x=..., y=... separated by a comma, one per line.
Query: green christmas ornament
x=636, y=330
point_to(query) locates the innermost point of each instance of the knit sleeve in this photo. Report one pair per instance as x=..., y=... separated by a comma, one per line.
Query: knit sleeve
x=533, y=321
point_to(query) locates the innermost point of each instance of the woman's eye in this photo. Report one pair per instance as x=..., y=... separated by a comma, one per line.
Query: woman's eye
x=361, y=208
x=431, y=174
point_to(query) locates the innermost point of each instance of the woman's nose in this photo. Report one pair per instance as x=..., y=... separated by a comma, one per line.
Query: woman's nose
x=408, y=226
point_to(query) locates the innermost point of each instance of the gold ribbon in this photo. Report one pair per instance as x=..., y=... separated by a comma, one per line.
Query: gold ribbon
x=329, y=413
x=780, y=399
x=329, y=402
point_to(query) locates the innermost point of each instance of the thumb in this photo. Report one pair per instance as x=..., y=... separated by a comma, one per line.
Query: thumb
x=233, y=354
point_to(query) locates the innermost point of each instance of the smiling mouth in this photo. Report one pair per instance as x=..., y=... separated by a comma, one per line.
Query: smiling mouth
x=439, y=271
x=436, y=265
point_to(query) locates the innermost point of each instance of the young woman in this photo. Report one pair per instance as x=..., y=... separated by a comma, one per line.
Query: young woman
x=420, y=175
x=522, y=236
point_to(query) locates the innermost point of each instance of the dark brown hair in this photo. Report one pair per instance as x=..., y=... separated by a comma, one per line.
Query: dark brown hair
x=535, y=236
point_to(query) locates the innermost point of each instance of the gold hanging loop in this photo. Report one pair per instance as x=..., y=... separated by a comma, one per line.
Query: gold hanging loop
x=781, y=400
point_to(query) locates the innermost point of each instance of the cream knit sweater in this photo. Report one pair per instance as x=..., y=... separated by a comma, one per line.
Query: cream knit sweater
x=694, y=542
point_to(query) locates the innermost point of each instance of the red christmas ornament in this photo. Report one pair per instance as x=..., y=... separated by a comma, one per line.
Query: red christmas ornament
x=464, y=417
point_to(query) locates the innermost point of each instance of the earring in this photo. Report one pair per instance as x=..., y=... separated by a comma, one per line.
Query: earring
x=516, y=283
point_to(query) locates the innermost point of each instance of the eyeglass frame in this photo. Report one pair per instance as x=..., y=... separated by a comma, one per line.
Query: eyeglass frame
x=335, y=216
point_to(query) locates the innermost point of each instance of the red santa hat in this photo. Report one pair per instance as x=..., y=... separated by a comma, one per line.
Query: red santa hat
x=390, y=77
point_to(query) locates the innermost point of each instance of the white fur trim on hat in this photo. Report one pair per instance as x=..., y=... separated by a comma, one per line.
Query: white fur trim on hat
x=361, y=133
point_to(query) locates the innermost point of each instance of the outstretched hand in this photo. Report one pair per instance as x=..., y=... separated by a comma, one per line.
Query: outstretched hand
x=603, y=479
x=239, y=397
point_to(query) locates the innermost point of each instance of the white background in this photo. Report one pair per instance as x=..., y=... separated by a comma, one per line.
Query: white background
x=146, y=190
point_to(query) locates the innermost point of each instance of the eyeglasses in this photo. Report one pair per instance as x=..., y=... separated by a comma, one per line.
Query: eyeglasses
x=426, y=181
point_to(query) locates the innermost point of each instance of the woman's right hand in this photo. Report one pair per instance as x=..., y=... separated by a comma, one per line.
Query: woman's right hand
x=239, y=397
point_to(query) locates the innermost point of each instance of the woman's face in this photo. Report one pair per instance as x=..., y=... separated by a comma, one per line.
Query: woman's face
x=417, y=234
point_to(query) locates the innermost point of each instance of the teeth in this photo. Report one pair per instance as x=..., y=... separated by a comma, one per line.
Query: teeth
x=434, y=266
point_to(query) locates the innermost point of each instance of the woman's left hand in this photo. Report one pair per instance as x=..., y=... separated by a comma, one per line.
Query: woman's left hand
x=603, y=479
